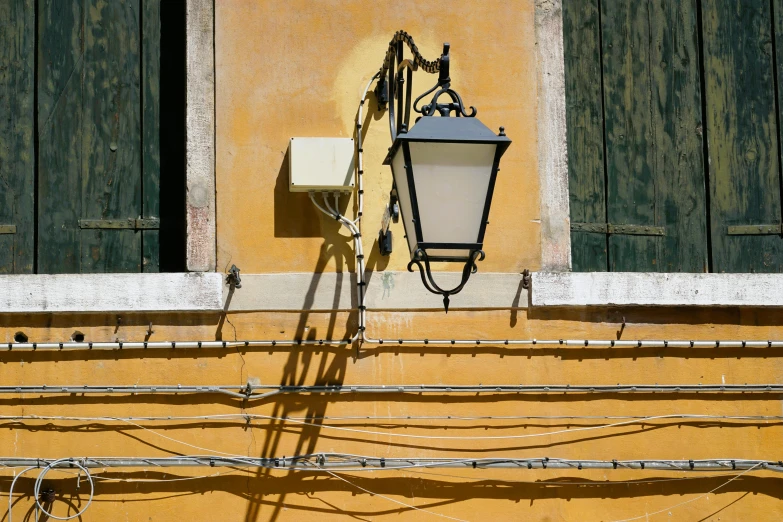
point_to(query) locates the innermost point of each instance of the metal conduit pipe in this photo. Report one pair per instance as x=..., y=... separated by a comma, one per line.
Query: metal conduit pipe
x=342, y=462
x=461, y=343
x=261, y=391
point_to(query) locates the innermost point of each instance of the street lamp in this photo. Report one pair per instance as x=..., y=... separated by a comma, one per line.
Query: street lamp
x=444, y=168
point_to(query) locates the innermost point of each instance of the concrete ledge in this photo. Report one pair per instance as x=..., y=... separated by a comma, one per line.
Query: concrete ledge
x=385, y=291
x=110, y=293
x=653, y=289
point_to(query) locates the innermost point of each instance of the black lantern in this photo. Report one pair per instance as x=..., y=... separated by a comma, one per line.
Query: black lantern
x=444, y=170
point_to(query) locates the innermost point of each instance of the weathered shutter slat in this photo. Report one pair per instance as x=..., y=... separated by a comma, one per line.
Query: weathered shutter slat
x=584, y=119
x=111, y=139
x=652, y=107
x=17, y=155
x=150, y=32
x=60, y=80
x=742, y=135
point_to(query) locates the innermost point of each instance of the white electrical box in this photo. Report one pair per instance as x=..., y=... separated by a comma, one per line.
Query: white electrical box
x=321, y=164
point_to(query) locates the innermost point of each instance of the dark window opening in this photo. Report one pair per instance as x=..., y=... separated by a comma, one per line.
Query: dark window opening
x=92, y=138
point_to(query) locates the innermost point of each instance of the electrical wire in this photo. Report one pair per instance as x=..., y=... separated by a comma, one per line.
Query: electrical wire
x=455, y=343
x=267, y=391
x=457, y=418
x=39, y=481
x=410, y=506
x=670, y=508
x=321, y=462
x=248, y=417
x=11, y=490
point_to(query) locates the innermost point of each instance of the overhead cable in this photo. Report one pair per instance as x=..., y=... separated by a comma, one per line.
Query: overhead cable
x=248, y=417
x=263, y=391
x=348, y=462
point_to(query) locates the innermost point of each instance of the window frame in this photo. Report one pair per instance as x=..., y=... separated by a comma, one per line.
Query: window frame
x=194, y=290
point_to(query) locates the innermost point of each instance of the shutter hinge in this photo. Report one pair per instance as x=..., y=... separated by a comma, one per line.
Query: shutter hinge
x=7, y=229
x=625, y=230
x=125, y=224
x=756, y=230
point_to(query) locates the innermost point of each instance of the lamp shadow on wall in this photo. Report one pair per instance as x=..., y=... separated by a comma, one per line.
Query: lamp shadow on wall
x=296, y=216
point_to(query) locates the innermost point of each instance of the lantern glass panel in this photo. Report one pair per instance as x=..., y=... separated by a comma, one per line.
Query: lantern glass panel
x=451, y=182
x=404, y=197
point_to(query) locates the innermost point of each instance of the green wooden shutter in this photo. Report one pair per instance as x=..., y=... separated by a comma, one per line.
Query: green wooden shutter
x=17, y=154
x=93, y=190
x=655, y=212
x=742, y=135
x=585, y=134
x=60, y=78
x=655, y=174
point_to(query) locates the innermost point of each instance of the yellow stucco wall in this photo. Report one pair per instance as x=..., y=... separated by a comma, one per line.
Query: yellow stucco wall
x=296, y=68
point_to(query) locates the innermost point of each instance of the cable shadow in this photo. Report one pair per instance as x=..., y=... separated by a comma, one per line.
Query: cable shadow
x=462, y=446
x=690, y=315
x=302, y=366
x=433, y=492
x=114, y=426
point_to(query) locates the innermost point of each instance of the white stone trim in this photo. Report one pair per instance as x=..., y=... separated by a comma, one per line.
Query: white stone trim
x=201, y=245
x=393, y=291
x=559, y=287
x=208, y=292
x=38, y=293
x=653, y=289
x=552, y=144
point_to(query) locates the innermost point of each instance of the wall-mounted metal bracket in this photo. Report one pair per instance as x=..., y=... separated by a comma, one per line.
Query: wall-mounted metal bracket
x=385, y=242
x=233, y=279
x=622, y=230
x=526, y=279
x=394, y=206
x=382, y=93
x=756, y=230
x=123, y=224
x=391, y=213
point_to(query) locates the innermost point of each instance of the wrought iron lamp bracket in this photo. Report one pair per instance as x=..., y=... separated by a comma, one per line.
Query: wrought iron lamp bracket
x=389, y=88
x=420, y=256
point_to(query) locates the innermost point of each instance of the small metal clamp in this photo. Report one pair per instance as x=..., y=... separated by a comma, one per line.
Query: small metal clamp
x=526, y=279
x=233, y=278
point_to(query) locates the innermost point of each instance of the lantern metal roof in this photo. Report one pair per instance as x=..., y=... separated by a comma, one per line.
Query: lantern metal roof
x=441, y=129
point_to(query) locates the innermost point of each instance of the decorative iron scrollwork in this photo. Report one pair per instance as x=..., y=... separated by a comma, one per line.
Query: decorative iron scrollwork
x=429, y=283
x=444, y=109
x=396, y=72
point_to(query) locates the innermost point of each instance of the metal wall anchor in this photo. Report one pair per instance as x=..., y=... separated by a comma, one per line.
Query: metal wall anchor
x=526, y=279
x=233, y=278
